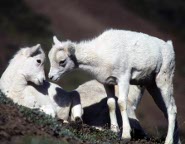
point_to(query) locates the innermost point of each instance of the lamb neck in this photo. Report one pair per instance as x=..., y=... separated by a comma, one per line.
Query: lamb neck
x=17, y=87
x=89, y=60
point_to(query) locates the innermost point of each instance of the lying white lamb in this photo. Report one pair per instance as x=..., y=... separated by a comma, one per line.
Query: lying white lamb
x=123, y=58
x=24, y=82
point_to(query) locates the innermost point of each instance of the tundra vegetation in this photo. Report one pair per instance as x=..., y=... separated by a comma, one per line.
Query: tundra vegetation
x=31, y=125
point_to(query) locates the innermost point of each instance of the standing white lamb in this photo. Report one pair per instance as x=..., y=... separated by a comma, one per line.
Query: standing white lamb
x=123, y=58
x=24, y=82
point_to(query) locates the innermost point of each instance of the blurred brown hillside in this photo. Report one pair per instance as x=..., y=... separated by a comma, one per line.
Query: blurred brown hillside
x=77, y=20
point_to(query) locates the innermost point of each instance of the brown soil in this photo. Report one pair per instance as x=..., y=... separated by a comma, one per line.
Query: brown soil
x=14, y=127
x=12, y=123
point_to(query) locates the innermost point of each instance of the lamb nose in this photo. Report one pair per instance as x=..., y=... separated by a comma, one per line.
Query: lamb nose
x=51, y=77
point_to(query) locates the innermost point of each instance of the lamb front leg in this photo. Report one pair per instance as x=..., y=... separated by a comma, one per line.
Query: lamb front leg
x=76, y=108
x=111, y=102
x=77, y=112
x=123, y=85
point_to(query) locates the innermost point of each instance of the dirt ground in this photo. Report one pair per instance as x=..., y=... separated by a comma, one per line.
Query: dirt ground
x=15, y=128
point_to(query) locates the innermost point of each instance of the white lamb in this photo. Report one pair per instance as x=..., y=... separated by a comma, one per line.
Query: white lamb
x=123, y=58
x=24, y=82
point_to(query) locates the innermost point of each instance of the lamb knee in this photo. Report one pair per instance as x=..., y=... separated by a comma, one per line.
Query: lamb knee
x=122, y=105
x=111, y=104
x=172, y=112
x=112, y=113
x=172, y=108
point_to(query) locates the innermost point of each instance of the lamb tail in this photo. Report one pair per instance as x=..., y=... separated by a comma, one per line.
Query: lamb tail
x=169, y=42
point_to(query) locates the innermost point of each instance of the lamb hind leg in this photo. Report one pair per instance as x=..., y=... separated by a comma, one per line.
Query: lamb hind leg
x=111, y=102
x=162, y=93
x=134, y=98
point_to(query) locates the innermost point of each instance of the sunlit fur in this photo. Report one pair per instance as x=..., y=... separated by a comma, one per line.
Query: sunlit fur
x=130, y=58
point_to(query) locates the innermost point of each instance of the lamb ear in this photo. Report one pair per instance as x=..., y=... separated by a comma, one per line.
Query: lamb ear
x=30, y=51
x=35, y=50
x=55, y=40
x=37, y=46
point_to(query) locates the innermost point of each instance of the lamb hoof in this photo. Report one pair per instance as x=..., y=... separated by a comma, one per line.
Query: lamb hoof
x=78, y=120
x=139, y=134
x=60, y=120
x=63, y=121
x=126, y=138
x=168, y=142
x=115, y=129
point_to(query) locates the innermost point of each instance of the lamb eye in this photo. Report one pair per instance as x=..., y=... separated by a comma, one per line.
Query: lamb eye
x=62, y=62
x=39, y=61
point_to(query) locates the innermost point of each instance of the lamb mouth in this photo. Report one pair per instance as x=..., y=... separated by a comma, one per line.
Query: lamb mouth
x=39, y=82
x=56, y=79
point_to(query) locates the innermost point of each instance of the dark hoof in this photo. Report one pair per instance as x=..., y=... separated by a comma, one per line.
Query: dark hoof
x=78, y=120
x=60, y=121
x=138, y=134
